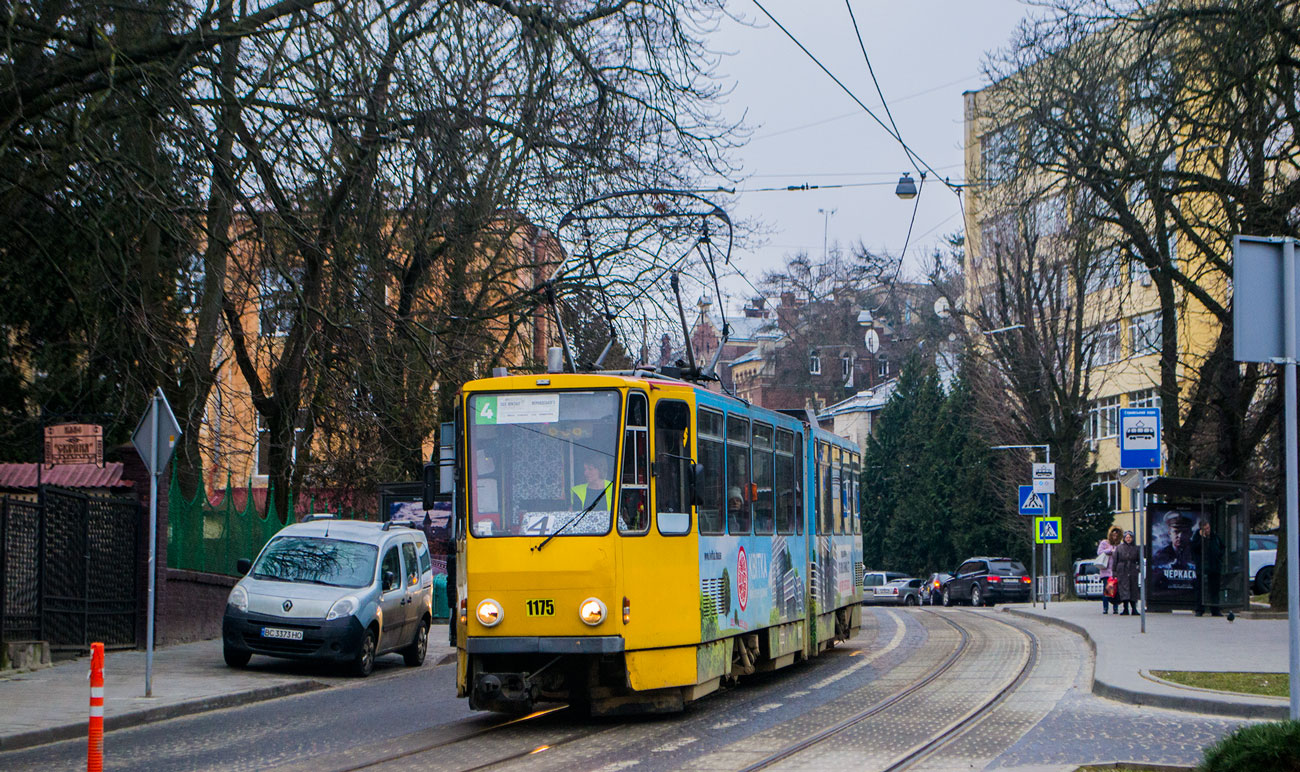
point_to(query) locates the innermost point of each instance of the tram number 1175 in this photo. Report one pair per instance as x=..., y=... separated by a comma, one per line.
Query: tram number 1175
x=541, y=608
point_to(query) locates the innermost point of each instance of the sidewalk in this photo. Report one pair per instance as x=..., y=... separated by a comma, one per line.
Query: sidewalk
x=1125, y=656
x=52, y=704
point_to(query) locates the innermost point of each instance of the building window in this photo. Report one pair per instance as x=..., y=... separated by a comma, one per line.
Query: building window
x=263, y=450
x=1103, y=418
x=1140, y=498
x=998, y=153
x=815, y=362
x=1145, y=334
x=846, y=365
x=1105, y=344
x=1106, y=271
x=1144, y=398
x=277, y=302
x=1049, y=215
x=883, y=369
x=1109, y=485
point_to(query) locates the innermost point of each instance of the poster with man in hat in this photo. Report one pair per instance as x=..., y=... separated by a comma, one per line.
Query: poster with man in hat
x=1172, y=569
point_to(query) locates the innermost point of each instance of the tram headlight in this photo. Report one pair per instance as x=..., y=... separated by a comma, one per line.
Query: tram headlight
x=592, y=611
x=489, y=612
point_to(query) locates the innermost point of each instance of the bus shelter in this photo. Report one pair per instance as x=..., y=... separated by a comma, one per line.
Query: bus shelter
x=1197, y=545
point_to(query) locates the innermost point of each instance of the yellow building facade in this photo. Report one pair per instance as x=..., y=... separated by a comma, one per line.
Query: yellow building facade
x=1121, y=309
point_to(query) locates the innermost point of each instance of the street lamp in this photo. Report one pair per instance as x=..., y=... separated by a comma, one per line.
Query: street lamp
x=906, y=187
x=826, y=222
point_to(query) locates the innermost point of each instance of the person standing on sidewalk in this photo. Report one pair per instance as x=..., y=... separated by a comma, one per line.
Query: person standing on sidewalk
x=1126, y=572
x=1208, y=549
x=1106, y=554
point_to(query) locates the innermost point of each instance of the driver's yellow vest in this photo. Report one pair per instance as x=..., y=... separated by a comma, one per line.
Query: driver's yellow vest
x=580, y=495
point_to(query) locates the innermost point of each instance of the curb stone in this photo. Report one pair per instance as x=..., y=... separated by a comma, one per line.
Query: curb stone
x=1188, y=704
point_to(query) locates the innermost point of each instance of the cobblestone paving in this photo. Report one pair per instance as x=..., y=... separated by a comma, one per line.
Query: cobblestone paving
x=1085, y=729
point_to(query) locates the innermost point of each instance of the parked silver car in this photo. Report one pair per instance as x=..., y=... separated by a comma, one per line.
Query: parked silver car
x=900, y=592
x=336, y=590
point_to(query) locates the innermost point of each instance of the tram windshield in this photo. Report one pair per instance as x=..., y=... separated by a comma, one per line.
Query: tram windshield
x=542, y=463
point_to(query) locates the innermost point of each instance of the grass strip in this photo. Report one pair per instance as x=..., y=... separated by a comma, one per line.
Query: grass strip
x=1266, y=684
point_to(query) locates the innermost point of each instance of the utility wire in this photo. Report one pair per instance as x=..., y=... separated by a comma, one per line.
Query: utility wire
x=884, y=103
x=853, y=96
x=916, y=204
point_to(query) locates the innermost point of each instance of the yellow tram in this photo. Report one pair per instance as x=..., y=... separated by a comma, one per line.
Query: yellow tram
x=628, y=541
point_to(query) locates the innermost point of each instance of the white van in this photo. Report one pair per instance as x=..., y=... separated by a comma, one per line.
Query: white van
x=336, y=590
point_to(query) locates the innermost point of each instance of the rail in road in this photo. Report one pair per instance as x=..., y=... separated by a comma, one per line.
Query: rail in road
x=933, y=679
x=957, y=676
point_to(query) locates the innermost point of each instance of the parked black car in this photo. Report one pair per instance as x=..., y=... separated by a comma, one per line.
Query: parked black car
x=984, y=581
x=932, y=590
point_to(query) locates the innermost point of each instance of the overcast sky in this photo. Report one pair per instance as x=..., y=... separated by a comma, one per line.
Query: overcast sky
x=925, y=53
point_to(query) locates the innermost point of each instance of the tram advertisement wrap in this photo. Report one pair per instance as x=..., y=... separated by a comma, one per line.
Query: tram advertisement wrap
x=748, y=583
x=1171, y=563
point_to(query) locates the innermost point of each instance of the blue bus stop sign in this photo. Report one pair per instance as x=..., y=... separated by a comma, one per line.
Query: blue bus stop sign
x=1139, y=438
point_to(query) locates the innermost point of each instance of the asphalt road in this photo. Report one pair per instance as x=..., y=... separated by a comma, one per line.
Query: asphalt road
x=404, y=718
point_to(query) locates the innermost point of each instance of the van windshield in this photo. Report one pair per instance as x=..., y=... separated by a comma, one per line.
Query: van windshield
x=319, y=561
x=538, y=460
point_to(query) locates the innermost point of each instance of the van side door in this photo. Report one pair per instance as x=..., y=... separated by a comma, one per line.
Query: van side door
x=392, y=599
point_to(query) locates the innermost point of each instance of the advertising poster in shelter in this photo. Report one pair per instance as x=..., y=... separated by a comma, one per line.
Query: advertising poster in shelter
x=1171, y=563
x=404, y=504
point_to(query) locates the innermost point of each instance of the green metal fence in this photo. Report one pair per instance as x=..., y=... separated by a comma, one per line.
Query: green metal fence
x=203, y=538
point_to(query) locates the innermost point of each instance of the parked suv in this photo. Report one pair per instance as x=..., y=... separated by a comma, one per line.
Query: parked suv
x=986, y=581
x=337, y=590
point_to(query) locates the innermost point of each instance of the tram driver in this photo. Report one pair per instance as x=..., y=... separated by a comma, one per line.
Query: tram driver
x=596, y=490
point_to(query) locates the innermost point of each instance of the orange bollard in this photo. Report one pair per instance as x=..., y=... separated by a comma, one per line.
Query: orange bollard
x=95, y=748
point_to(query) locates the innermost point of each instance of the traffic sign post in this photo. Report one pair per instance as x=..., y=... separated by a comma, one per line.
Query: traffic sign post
x=1264, y=322
x=1047, y=530
x=1139, y=438
x=154, y=439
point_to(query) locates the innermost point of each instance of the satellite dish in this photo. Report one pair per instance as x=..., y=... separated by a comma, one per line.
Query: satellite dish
x=1131, y=478
x=872, y=341
x=941, y=308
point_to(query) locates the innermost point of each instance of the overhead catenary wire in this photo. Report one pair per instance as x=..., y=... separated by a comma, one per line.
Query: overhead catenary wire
x=883, y=102
x=890, y=131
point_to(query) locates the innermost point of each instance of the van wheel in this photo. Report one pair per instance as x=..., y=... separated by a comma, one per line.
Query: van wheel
x=413, y=655
x=364, y=664
x=236, y=657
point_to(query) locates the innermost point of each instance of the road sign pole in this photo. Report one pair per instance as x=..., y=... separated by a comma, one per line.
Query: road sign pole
x=153, y=549
x=1292, y=490
x=1033, y=561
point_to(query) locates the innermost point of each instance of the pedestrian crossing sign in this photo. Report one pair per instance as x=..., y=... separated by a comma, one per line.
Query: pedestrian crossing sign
x=1047, y=530
x=1031, y=502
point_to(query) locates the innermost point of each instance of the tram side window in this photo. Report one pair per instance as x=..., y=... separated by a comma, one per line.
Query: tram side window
x=712, y=484
x=799, y=463
x=837, y=489
x=856, y=497
x=786, y=495
x=634, y=504
x=763, y=461
x=672, y=460
x=740, y=496
x=824, y=488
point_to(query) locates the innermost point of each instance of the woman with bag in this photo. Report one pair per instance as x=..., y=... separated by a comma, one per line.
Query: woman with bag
x=1126, y=572
x=1106, y=562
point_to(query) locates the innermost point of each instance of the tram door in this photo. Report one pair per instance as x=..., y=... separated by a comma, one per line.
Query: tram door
x=658, y=557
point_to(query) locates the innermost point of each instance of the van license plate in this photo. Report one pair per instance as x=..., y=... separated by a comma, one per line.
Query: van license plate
x=540, y=608
x=276, y=632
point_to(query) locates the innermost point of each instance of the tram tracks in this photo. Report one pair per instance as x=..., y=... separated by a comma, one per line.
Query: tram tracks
x=950, y=733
